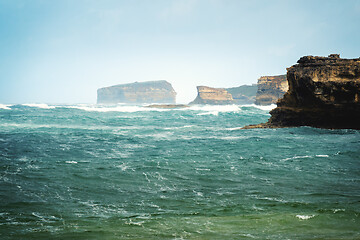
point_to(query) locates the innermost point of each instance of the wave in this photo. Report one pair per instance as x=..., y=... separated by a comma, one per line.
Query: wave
x=305, y=217
x=296, y=157
x=214, y=109
x=306, y=156
x=3, y=106
x=205, y=109
x=38, y=105
x=118, y=108
x=218, y=108
x=265, y=108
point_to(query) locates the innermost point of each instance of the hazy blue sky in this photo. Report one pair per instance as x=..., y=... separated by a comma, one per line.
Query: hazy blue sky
x=61, y=51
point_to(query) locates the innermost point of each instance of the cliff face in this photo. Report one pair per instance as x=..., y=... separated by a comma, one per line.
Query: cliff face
x=244, y=94
x=138, y=92
x=323, y=92
x=217, y=96
x=270, y=89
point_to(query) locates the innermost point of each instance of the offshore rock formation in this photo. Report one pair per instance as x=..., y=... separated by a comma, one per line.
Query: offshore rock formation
x=244, y=94
x=270, y=89
x=138, y=92
x=323, y=92
x=208, y=95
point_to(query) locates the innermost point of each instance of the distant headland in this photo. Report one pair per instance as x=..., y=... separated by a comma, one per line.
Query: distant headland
x=139, y=92
x=317, y=91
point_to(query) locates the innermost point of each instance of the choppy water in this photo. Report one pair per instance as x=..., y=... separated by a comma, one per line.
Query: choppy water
x=128, y=172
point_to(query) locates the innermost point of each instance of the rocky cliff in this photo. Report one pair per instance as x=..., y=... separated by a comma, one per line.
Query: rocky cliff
x=270, y=89
x=208, y=95
x=138, y=92
x=323, y=92
x=244, y=94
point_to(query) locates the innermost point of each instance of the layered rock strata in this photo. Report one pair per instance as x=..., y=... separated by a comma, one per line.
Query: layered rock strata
x=270, y=89
x=216, y=96
x=323, y=92
x=138, y=92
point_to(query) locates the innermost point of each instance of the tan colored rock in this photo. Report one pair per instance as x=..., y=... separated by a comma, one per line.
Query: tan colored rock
x=138, y=92
x=208, y=95
x=271, y=89
x=323, y=92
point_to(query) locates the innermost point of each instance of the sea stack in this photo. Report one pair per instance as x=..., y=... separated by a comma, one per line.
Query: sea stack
x=215, y=96
x=324, y=92
x=271, y=89
x=138, y=92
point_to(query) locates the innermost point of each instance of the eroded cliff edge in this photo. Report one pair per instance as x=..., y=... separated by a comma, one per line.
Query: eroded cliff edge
x=216, y=96
x=323, y=92
x=139, y=92
x=271, y=89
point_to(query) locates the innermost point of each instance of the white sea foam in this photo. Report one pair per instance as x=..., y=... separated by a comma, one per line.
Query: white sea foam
x=296, y=157
x=214, y=109
x=39, y=105
x=323, y=156
x=174, y=128
x=116, y=108
x=218, y=108
x=215, y=113
x=233, y=129
x=71, y=162
x=3, y=106
x=305, y=217
x=265, y=108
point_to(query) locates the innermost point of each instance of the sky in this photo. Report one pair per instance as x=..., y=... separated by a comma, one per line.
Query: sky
x=62, y=51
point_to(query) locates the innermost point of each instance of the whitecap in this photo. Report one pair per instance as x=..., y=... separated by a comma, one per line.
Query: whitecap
x=71, y=162
x=38, y=105
x=338, y=210
x=215, y=113
x=215, y=108
x=265, y=108
x=200, y=194
x=233, y=129
x=116, y=108
x=305, y=217
x=323, y=156
x=296, y=157
x=3, y=106
x=175, y=128
x=130, y=222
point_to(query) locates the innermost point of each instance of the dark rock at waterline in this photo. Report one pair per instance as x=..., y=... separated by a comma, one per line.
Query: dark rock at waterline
x=323, y=92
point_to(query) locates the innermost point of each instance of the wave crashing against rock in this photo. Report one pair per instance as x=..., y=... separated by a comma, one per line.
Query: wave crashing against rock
x=323, y=92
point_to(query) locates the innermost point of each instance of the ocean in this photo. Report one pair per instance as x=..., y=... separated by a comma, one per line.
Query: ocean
x=131, y=172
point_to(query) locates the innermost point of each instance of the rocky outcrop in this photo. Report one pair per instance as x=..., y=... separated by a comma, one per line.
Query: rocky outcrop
x=216, y=96
x=270, y=89
x=244, y=94
x=138, y=92
x=323, y=92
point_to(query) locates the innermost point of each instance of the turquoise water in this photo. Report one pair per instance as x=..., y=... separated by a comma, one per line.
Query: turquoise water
x=128, y=172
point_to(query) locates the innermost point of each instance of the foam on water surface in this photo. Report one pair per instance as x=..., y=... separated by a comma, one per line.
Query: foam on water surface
x=139, y=173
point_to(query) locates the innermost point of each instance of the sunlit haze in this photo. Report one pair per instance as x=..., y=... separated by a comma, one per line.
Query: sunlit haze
x=62, y=51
